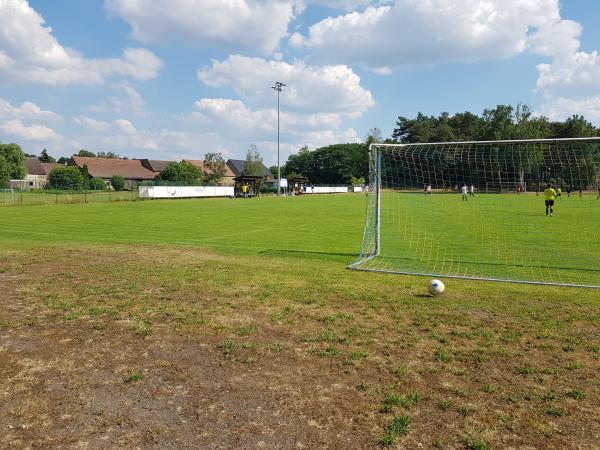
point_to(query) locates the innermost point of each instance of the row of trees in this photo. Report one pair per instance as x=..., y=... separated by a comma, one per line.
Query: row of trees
x=577, y=166
x=335, y=164
x=501, y=123
x=46, y=158
x=345, y=163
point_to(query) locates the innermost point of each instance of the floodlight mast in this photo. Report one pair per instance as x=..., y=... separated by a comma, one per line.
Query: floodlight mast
x=278, y=87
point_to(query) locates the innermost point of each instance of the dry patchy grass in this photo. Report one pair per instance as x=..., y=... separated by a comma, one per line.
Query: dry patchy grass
x=165, y=346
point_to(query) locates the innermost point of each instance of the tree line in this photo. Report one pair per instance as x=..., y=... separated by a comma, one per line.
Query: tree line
x=345, y=163
x=504, y=122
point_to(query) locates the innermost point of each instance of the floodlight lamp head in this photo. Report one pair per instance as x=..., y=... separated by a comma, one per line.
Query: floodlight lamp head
x=278, y=86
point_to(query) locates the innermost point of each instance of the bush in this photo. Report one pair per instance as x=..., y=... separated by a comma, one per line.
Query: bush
x=97, y=184
x=118, y=182
x=66, y=178
x=182, y=173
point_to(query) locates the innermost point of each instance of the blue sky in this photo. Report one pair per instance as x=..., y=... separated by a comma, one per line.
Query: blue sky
x=145, y=80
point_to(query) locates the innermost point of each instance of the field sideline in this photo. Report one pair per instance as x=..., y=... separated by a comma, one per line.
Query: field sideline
x=234, y=324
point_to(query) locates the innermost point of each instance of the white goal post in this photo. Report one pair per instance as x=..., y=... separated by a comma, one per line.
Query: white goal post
x=9, y=197
x=489, y=210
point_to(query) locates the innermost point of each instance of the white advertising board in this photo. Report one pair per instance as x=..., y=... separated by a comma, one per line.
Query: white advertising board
x=326, y=189
x=185, y=191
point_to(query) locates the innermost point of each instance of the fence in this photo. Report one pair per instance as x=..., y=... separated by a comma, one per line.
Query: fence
x=30, y=198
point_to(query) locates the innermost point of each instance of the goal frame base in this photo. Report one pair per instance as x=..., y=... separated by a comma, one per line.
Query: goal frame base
x=356, y=266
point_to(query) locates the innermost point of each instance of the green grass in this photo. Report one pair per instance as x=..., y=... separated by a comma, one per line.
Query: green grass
x=504, y=236
x=496, y=236
x=328, y=226
x=397, y=427
x=260, y=287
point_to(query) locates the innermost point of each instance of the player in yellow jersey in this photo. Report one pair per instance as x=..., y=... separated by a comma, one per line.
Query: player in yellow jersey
x=549, y=197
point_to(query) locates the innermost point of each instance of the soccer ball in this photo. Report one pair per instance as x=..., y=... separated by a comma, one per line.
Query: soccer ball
x=436, y=287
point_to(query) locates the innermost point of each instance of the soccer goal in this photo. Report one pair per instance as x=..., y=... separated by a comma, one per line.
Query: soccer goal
x=9, y=197
x=485, y=211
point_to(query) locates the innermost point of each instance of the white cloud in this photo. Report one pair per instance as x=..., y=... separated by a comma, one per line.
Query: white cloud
x=125, y=126
x=27, y=111
x=333, y=4
x=126, y=100
x=232, y=25
x=416, y=32
x=570, y=83
x=17, y=129
x=330, y=89
x=577, y=74
x=413, y=33
x=129, y=98
x=234, y=113
x=383, y=71
x=29, y=53
x=562, y=108
x=27, y=122
x=241, y=124
x=91, y=124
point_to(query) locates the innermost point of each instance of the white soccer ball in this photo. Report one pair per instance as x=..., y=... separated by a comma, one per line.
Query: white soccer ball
x=436, y=287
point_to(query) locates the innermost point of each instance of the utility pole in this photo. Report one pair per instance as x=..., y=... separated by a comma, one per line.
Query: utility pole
x=278, y=87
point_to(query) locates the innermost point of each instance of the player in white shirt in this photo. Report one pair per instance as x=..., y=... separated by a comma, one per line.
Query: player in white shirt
x=428, y=190
x=472, y=191
x=465, y=192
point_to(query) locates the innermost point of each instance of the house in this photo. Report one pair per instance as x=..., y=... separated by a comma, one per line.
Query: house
x=131, y=170
x=49, y=166
x=37, y=174
x=228, y=178
x=237, y=167
x=155, y=165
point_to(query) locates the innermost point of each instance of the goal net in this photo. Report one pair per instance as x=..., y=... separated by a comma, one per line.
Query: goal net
x=8, y=197
x=478, y=210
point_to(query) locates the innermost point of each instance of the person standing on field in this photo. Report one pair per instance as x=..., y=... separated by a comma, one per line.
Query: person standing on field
x=465, y=192
x=549, y=198
x=472, y=191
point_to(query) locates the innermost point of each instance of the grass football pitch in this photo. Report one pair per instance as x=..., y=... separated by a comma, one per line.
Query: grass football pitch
x=234, y=324
x=493, y=236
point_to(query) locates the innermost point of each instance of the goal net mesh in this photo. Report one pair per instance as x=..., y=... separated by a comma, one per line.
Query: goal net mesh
x=478, y=210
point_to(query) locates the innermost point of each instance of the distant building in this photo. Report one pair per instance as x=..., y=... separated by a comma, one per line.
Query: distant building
x=237, y=167
x=131, y=170
x=155, y=165
x=228, y=177
x=37, y=174
x=49, y=166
